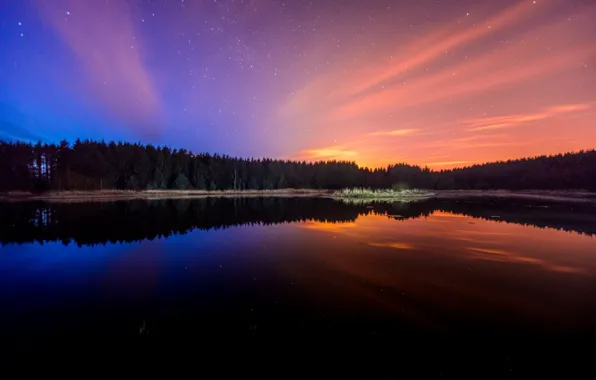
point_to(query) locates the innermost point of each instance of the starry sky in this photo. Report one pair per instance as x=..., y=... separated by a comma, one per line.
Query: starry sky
x=443, y=83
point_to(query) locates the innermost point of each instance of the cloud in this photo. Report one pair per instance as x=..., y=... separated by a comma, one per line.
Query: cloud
x=327, y=153
x=101, y=36
x=475, y=141
x=396, y=132
x=570, y=108
x=404, y=82
x=488, y=71
x=13, y=132
x=512, y=121
x=492, y=126
x=433, y=46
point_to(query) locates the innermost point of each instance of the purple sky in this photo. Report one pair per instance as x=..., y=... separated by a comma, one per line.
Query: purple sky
x=439, y=83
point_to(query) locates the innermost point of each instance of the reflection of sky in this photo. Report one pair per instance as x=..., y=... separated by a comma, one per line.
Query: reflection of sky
x=470, y=239
x=456, y=262
x=466, y=238
x=57, y=268
x=376, y=263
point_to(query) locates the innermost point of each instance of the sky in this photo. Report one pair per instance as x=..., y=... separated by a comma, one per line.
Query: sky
x=428, y=82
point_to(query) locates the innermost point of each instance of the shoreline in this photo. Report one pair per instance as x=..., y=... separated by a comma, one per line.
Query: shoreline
x=116, y=195
x=578, y=196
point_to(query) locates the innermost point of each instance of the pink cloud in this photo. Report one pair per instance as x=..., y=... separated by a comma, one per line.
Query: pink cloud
x=512, y=121
x=396, y=132
x=101, y=36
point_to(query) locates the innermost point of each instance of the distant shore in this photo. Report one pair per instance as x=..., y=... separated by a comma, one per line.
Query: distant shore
x=114, y=195
x=546, y=195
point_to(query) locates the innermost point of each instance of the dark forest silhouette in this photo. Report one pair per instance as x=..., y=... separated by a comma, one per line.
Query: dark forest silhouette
x=136, y=220
x=91, y=165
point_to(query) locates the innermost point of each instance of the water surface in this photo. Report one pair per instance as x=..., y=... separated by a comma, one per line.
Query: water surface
x=158, y=277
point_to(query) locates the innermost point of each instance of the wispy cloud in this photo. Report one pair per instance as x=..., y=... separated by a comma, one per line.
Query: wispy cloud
x=433, y=45
x=475, y=141
x=512, y=121
x=488, y=71
x=101, y=36
x=396, y=132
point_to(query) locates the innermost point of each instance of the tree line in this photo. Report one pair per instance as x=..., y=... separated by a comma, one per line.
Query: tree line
x=97, y=165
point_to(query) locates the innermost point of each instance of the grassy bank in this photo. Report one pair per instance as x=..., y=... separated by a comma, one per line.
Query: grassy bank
x=578, y=196
x=346, y=195
x=384, y=194
x=111, y=195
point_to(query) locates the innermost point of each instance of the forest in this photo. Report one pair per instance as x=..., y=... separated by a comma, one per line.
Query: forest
x=97, y=165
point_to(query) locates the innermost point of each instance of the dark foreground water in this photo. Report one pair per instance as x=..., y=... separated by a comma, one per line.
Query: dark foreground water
x=493, y=285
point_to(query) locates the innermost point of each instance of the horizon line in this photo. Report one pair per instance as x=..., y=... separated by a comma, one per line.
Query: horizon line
x=192, y=153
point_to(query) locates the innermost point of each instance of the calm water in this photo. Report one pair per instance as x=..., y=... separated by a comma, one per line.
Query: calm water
x=164, y=278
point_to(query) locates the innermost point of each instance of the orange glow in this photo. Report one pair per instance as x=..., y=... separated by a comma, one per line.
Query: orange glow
x=327, y=153
x=438, y=99
x=442, y=164
x=443, y=259
x=453, y=234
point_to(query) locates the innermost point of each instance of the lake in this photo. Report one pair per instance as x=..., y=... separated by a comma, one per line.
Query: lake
x=165, y=278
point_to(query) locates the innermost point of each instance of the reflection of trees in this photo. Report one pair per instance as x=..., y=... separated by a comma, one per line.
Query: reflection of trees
x=94, y=223
x=573, y=217
x=126, y=221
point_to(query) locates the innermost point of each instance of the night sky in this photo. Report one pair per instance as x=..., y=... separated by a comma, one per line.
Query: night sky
x=440, y=83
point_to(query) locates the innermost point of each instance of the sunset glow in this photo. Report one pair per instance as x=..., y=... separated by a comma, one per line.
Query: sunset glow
x=441, y=84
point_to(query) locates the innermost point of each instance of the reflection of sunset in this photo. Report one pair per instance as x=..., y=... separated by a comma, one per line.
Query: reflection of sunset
x=445, y=259
x=331, y=227
x=393, y=245
x=490, y=251
x=463, y=238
